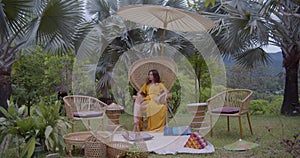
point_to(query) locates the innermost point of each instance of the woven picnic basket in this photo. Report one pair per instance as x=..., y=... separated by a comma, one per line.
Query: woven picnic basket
x=121, y=149
x=96, y=145
x=94, y=148
x=117, y=149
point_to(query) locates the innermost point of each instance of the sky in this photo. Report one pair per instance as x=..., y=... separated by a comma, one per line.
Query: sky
x=271, y=49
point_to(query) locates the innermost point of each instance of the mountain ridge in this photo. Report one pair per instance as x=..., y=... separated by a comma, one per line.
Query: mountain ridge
x=275, y=65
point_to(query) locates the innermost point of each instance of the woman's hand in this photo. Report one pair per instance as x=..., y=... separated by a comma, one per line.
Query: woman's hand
x=157, y=99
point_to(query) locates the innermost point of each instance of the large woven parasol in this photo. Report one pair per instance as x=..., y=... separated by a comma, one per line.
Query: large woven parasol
x=166, y=67
x=167, y=18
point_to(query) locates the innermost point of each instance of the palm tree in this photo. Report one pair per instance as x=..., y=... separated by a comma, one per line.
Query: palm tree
x=244, y=27
x=102, y=9
x=51, y=24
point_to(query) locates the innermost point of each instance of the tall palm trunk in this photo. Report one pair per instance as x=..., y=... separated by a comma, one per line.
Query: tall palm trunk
x=5, y=87
x=291, y=101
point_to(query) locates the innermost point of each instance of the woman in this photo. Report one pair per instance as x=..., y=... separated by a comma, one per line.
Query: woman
x=148, y=100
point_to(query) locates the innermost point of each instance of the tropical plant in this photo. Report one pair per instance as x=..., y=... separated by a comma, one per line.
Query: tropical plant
x=18, y=128
x=51, y=24
x=50, y=124
x=45, y=128
x=100, y=10
x=40, y=74
x=245, y=27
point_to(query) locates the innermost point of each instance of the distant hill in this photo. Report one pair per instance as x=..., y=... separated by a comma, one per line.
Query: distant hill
x=277, y=60
x=275, y=65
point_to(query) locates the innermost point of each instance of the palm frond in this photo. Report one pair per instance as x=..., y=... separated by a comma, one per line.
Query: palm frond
x=81, y=32
x=241, y=28
x=104, y=81
x=122, y=3
x=58, y=24
x=14, y=15
x=4, y=30
x=253, y=57
x=30, y=32
x=89, y=48
x=177, y=4
x=39, y=6
x=113, y=5
x=153, y=2
x=98, y=9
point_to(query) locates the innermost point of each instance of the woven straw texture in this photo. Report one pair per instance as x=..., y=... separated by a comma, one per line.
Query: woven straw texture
x=80, y=103
x=237, y=99
x=77, y=103
x=117, y=149
x=166, y=67
x=97, y=145
x=94, y=148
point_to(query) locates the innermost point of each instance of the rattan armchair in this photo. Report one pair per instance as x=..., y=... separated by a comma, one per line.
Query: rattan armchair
x=230, y=103
x=167, y=69
x=79, y=107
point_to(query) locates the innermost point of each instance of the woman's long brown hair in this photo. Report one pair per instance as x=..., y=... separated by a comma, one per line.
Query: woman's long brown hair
x=155, y=76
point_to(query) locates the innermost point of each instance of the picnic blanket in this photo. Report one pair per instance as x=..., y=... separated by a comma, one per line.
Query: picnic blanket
x=161, y=144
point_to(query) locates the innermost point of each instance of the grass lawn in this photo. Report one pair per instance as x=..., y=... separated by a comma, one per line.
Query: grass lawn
x=268, y=133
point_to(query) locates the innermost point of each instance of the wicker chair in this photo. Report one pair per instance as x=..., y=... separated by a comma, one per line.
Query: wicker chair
x=230, y=103
x=167, y=69
x=79, y=107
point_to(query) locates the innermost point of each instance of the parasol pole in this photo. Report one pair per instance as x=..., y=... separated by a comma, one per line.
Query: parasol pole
x=164, y=34
x=163, y=40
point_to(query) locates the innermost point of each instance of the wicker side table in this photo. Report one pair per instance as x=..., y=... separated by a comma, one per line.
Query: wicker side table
x=114, y=114
x=75, y=138
x=198, y=110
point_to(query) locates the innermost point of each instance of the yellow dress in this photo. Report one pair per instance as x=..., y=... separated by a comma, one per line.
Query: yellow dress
x=156, y=113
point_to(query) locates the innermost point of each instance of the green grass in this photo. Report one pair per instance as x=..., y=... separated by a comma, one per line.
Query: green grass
x=268, y=133
x=267, y=130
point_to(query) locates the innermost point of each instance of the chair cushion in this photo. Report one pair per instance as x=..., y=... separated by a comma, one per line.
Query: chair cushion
x=87, y=114
x=226, y=110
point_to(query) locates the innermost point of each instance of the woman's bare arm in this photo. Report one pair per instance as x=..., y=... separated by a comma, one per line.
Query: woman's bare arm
x=165, y=92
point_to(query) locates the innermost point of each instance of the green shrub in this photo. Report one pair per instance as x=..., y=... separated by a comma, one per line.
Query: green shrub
x=275, y=105
x=45, y=127
x=258, y=107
